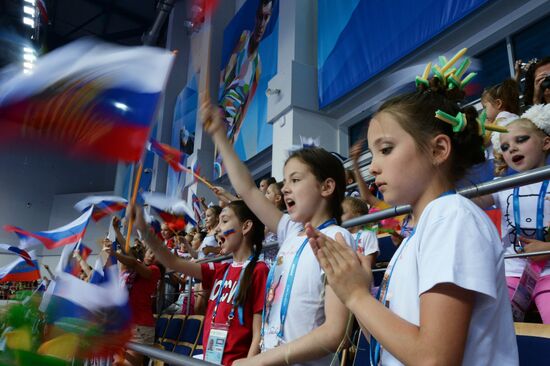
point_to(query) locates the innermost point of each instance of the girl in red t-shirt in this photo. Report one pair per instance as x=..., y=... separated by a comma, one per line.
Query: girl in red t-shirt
x=234, y=313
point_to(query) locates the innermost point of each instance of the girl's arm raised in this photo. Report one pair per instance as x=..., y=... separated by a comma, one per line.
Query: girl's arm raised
x=238, y=173
x=445, y=310
x=162, y=254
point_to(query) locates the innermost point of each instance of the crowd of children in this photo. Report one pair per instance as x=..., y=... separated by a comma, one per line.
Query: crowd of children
x=447, y=292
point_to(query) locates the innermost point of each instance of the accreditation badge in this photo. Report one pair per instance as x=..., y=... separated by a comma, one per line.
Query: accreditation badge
x=216, y=343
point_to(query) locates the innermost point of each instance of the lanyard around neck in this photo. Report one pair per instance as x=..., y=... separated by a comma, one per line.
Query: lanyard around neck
x=236, y=292
x=540, y=211
x=289, y=282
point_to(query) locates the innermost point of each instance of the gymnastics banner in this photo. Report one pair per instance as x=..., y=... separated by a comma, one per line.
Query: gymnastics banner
x=249, y=61
x=183, y=134
x=87, y=98
x=358, y=39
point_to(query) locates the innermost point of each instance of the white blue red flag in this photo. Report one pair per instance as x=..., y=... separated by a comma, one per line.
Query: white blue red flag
x=102, y=205
x=174, y=157
x=20, y=270
x=20, y=252
x=86, y=98
x=174, y=212
x=69, y=234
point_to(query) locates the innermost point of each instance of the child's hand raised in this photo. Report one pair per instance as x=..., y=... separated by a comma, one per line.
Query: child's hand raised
x=347, y=273
x=135, y=212
x=211, y=117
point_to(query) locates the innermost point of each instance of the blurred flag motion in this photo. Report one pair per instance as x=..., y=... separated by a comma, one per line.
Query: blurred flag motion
x=87, y=98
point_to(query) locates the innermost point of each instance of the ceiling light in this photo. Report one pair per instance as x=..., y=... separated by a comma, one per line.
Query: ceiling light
x=28, y=21
x=32, y=2
x=29, y=57
x=29, y=10
x=28, y=50
x=28, y=65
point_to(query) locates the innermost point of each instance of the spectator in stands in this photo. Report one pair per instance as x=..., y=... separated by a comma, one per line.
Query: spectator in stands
x=304, y=321
x=264, y=183
x=501, y=102
x=365, y=241
x=537, y=92
x=237, y=298
x=350, y=179
x=274, y=195
x=168, y=235
x=443, y=299
x=525, y=210
x=209, y=245
x=142, y=290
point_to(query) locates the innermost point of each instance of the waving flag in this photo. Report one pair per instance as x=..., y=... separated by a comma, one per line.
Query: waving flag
x=174, y=157
x=197, y=209
x=20, y=270
x=102, y=305
x=69, y=234
x=88, y=98
x=43, y=10
x=73, y=266
x=174, y=212
x=20, y=252
x=102, y=205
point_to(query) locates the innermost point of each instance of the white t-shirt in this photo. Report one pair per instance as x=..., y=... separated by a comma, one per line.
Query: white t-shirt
x=208, y=241
x=365, y=242
x=306, y=306
x=528, y=199
x=455, y=242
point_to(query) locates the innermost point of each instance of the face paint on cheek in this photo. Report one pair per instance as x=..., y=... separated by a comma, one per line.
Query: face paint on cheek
x=229, y=232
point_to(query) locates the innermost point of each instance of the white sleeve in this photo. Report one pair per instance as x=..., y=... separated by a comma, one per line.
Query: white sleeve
x=457, y=248
x=285, y=227
x=370, y=242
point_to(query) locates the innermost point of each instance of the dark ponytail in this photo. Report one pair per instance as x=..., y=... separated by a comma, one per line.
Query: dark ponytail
x=507, y=92
x=243, y=213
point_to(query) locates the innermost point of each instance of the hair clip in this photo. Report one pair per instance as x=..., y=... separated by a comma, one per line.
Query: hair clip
x=459, y=122
x=424, y=78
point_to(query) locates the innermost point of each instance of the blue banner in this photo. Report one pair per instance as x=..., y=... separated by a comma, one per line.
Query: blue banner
x=360, y=38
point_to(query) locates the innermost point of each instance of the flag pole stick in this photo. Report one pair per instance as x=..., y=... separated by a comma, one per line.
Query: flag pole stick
x=203, y=180
x=137, y=179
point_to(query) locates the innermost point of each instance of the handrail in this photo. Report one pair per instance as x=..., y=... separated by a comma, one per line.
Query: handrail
x=516, y=180
x=167, y=357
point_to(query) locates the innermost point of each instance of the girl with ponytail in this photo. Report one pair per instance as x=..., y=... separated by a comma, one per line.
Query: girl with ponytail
x=234, y=313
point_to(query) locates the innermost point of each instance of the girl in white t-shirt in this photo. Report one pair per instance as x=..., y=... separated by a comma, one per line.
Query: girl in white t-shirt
x=365, y=241
x=523, y=148
x=303, y=320
x=443, y=298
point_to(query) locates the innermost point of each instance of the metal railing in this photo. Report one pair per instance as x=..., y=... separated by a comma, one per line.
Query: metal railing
x=476, y=190
x=174, y=359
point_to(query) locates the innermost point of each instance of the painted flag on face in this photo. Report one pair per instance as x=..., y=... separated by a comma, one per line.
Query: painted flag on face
x=69, y=234
x=87, y=98
x=102, y=205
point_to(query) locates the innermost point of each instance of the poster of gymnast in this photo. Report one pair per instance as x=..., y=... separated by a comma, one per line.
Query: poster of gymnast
x=249, y=61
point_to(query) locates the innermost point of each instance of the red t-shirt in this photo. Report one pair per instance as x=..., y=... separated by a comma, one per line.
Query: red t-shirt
x=141, y=298
x=239, y=336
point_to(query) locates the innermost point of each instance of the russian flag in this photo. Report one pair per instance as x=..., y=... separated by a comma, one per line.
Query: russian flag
x=197, y=209
x=173, y=211
x=102, y=205
x=73, y=265
x=20, y=252
x=87, y=98
x=69, y=234
x=174, y=157
x=102, y=304
x=20, y=270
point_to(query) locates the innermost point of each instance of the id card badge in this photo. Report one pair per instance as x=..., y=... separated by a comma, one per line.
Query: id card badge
x=216, y=343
